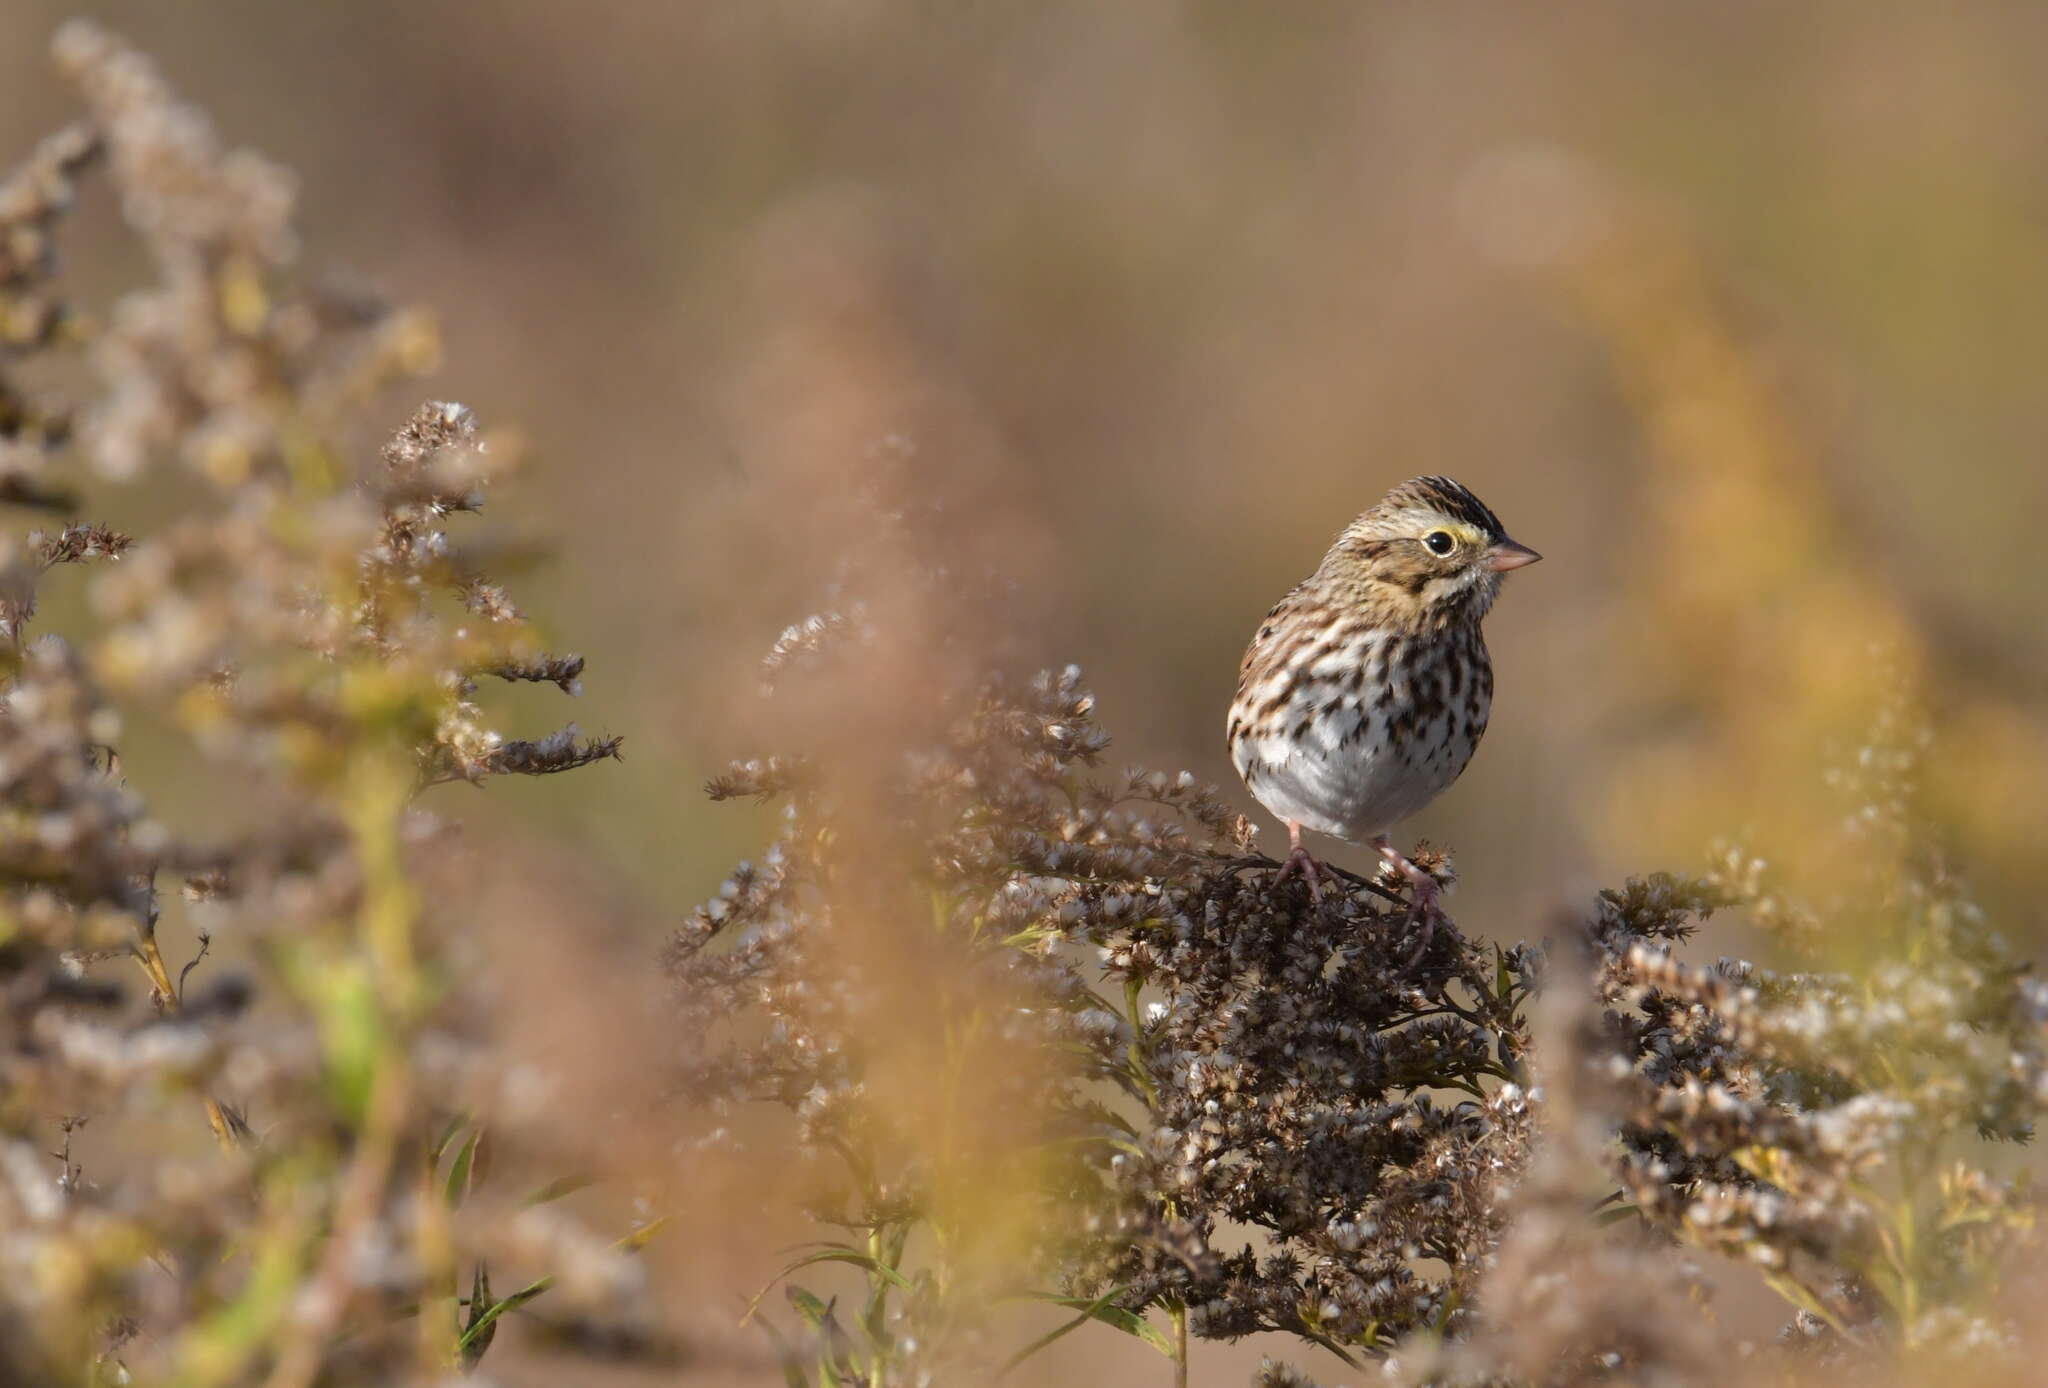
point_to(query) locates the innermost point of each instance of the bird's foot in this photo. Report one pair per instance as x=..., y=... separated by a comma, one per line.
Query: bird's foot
x=1425, y=909
x=1313, y=872
x=1422, y=901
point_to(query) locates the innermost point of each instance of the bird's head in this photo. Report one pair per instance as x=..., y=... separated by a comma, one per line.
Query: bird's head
x=1429, y=554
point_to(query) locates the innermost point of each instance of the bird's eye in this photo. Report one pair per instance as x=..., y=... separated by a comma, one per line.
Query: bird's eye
x=1439, y=542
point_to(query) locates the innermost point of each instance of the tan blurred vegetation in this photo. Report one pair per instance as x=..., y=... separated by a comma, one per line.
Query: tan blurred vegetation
x=1185, y=288
x=1735, y=312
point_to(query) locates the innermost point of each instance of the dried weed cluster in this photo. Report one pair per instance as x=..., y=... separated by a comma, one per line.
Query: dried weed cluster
x=1226, y=1108
x=1815, y=1121
x=311, y=632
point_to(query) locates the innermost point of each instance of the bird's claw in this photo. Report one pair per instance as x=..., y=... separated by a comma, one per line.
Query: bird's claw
x=1422, y=902
x=1313, y=872
x=1425, y=910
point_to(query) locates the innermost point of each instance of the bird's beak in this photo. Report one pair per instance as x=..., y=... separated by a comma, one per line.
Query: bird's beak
x=1509, y=555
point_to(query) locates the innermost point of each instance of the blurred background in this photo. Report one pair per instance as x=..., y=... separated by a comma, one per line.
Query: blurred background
x=1737, y=313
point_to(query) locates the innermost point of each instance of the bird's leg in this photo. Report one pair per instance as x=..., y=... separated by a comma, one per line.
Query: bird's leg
x=1421, y=899
x=1300, y=860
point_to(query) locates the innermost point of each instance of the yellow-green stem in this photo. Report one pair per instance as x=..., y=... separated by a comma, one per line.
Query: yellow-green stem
x=375, y=792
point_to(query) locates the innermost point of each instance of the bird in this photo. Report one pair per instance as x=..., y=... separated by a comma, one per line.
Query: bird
x=1365, y=691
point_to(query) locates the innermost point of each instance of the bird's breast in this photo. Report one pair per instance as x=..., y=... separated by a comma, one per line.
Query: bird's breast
x=1351, y=746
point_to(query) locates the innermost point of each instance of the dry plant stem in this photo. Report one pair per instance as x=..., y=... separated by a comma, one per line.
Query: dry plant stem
x=152, y=960
x=325, y=1297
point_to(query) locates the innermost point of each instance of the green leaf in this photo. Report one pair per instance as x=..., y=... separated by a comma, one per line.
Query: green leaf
x=831, y=1337
x=459, y=1174
x=1088, y=1313
x=448, y=1132
x=815, y=1312
x=483, y=1327
x=1106, y=1116
x=837, y=1253
x=478, y=1334
x=1331, y=1345
x=1115, y=1317
x=638, y=1239
x=557, y=1188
